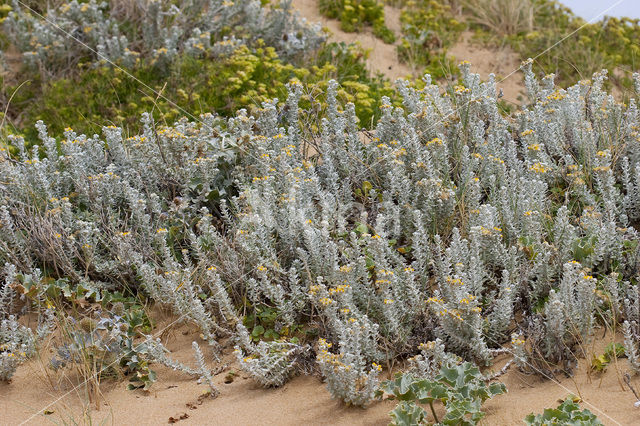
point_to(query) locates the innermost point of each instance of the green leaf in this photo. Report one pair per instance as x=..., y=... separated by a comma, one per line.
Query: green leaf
x=366, y=187
x=271, y=334
x=361, y=228
x=497, y=389
x=257, y=331
x=407, y=414
x=567, y=413
x=614, y=350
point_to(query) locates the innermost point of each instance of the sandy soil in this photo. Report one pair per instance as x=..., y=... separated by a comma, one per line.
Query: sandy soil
x=383, y=57
x=304, y=400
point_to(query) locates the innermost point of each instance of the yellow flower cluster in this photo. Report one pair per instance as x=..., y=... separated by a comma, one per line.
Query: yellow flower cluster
x=601, y=169
x=334, y=360
x=538, y=168
x=555, y=96
x=454, y=281
x=13, y=355
x=517, y=342
x=486, y=231
x=496, y=159
x=314, y=289
x=453, y=313
x=339, y=289
x=325, y=301
x=400, y=152
x=427, y=346
x=434, y=141
x=287, y=150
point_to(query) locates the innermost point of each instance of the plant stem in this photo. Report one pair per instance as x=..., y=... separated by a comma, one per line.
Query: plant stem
x=433, y=411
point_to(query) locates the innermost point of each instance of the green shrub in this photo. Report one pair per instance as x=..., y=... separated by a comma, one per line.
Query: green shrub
x=243, y=79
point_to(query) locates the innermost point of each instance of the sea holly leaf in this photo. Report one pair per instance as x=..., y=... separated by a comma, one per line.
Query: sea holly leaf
x=449, y=375
x=567, y=413
x=497, y=389
x=404, y=390
x=407, y=414
x=600, y=363
x=461, y=388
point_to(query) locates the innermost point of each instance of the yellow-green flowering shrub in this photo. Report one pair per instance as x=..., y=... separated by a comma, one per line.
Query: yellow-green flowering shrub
x=244, y=78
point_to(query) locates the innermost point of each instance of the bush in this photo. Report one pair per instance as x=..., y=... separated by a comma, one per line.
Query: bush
x=447, y=221
x=244, y=78
x=154, y=31
x=503, y=17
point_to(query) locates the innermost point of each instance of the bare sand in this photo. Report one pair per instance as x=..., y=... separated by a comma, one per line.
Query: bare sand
x=383, y=58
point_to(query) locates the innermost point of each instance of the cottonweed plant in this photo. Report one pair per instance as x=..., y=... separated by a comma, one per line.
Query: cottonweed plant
x=448, y=222
x=432, y=358
x=269, y=363
x=17, y=341
x=102, y=32
x=17, y=344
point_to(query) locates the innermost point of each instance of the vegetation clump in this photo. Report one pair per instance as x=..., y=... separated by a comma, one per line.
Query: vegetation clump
x=312, y=217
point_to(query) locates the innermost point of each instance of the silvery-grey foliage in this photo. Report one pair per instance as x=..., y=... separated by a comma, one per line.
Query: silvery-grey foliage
x=55, y=41
x=447, y=221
